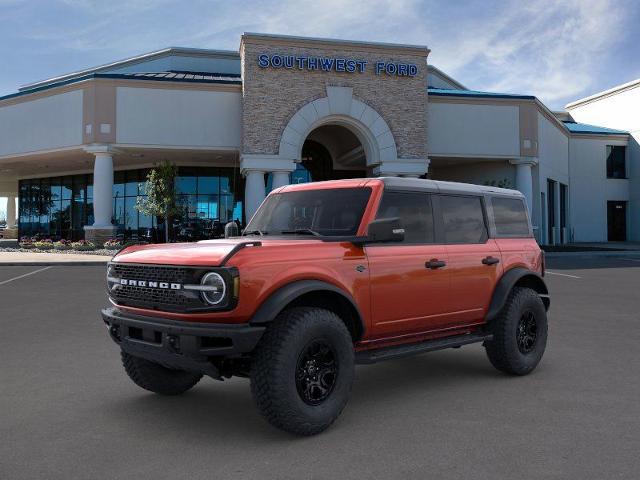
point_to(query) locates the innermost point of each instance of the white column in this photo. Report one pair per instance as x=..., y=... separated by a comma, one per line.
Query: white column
x=254, y=191
x=253, y=166
x=11, y=211
x=280, y=179
x=524, y=179
x=103, y=189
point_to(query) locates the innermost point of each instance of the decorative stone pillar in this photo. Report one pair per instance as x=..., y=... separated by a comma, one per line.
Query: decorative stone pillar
x=524, y=178
x=102, y=228
x=280, y=179
x=253, y=167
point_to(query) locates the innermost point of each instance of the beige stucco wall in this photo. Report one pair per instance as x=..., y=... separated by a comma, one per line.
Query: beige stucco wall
x=178, y=117
x=272, y=96
x=54, y=121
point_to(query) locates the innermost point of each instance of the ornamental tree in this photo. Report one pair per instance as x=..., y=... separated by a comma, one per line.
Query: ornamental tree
x=161, y=198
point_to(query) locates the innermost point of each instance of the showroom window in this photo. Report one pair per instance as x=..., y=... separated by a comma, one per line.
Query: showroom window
x=60, y=207
x=55, y=207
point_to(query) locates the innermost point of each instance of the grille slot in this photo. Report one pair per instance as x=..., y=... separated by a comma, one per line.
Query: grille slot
x=156, y=298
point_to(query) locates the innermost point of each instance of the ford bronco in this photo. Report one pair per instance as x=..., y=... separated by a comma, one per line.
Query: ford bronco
x=328, y=275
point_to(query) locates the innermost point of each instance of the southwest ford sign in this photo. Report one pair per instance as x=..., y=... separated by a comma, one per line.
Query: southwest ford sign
x=335, y=64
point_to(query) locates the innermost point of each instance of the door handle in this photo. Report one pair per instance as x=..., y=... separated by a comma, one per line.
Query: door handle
x=490, y=260
x=435, y=263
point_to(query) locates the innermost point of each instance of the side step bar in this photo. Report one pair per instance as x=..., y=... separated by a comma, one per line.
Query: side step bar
x=399, y=351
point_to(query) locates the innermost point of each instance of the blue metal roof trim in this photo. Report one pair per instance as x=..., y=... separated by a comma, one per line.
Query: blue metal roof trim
x=226, y=79
x=444, y=92
x=585, y=128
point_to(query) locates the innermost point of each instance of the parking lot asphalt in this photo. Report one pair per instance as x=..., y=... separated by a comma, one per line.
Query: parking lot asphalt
x=68, y=411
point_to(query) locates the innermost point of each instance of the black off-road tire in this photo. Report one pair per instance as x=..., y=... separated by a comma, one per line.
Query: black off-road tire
x=156, y=378
x=509, y=352
x=276, y=368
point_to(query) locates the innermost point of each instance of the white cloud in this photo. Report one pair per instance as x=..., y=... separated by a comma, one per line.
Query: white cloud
x=546, y=48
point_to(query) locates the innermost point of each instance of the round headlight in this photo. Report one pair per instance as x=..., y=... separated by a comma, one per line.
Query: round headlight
x=215, y=288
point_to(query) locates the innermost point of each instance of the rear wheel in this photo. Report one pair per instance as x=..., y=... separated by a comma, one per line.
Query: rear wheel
x=156, y=378
x=302, y=370
x=519, y=333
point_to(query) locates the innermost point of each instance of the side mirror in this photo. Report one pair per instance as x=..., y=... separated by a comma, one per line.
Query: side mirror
x=385, y=230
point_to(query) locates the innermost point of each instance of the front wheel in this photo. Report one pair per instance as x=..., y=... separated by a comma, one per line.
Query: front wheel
x=302, y=370
x=519, y=333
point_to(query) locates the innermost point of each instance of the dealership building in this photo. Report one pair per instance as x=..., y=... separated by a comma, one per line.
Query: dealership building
x=75, y=149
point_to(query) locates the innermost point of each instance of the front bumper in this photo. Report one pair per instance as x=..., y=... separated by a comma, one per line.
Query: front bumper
x=182, y=345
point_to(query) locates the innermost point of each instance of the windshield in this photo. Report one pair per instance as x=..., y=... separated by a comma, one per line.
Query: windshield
x=326, y=212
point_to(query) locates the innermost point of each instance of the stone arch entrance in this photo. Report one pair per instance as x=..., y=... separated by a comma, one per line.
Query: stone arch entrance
x=340, y=109
x=332, y=152
x=347, y=115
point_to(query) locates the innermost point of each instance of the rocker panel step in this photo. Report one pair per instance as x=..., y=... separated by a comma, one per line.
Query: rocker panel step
x=399, y=351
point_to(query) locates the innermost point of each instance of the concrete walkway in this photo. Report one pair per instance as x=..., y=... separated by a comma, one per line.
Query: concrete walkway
x=32, y=258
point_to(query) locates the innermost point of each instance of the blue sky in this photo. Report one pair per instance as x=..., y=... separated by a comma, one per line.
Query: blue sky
x=557, y=50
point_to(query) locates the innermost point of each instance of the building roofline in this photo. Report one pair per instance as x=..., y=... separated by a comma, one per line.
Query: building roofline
x=133, y=61
x=605, y=93
x=117, y=76
x=448, y=78
x=445, y=92
x=416, y=49
x=531, y=98
x=588, y=129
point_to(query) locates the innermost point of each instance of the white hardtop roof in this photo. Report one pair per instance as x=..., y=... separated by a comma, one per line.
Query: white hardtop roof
x=448, y=187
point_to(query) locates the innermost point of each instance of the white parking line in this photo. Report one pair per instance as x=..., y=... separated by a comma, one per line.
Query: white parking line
x=25, y=275
x=562, y=274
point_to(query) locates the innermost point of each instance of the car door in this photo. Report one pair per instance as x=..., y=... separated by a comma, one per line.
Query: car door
x=409, y=281
x=474, y=258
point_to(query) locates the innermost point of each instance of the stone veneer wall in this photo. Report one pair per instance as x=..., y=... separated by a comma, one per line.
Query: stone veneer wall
x=271, y=96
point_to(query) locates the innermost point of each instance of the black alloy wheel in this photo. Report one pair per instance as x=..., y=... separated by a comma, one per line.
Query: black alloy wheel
x=527, y=332
x=316, y=372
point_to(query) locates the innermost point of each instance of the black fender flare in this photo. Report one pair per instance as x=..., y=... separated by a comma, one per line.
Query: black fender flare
x=278, y=300
x=518, y=275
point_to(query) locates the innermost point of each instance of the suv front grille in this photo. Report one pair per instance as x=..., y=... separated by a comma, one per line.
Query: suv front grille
x=167, y=299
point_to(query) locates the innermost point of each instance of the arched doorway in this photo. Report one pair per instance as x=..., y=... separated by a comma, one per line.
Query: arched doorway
x=333, y=152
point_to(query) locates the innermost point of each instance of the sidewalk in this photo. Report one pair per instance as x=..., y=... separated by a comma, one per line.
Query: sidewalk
x=32, y=258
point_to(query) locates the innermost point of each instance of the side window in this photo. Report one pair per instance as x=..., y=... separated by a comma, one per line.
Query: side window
x=510, y=216
x=414, y=211
x=463, y=219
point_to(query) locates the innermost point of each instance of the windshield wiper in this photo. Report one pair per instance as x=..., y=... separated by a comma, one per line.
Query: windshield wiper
x=301, y=231
x=254, y=232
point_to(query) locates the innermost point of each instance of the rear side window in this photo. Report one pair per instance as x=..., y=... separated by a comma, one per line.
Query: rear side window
x=510, y=216
x=463, y=219
x=415, y=214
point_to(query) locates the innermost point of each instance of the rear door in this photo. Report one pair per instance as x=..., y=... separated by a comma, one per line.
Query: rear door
x=474, y=258
x=409, y=280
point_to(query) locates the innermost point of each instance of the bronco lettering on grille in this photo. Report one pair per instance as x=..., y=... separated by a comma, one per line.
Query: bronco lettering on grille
x=149, y=284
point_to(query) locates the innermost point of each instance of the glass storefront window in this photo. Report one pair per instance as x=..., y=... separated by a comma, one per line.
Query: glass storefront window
x=60, y=207
x=186, y=184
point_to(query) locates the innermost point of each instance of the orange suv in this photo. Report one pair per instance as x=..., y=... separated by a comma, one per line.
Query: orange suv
x=325, y=276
